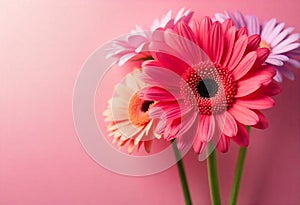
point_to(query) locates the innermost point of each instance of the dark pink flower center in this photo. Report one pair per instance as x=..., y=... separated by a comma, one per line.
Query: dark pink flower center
x=208, y=88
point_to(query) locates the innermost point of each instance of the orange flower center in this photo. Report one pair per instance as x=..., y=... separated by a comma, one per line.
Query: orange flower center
x=264, y=44
x=138, y=110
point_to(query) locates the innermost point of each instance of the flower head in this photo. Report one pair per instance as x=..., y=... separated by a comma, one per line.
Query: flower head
x=128, y=117
x=131, y=48
x=279, y=40
x=209, y=81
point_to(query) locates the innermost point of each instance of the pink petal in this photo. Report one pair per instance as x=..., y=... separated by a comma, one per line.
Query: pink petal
x=187, y=138
x=172, y=63
x=242, y=137
x=227, y=124
x=153, y=93
x=270, y=90
x=170, y=110
x=216, y=42
x=206, y=127
x=256, y=101
x=262, y=55
x=223, y=144
x=148, y=145
x=238, y=52
x=226, y=25
x=263, y=122
x=242, y=31
x=203, y=34
x=228, y=45
x=157, y=76
x=255, y=81
x=253, y=42
x=243, y=114
x=205, y=131
x=245, y=65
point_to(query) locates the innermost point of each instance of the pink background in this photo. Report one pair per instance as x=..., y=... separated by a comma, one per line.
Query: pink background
x=43, y=45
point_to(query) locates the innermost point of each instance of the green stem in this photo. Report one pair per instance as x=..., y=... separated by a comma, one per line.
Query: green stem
x=180, y=167
x=213, y=179
x=238, y=173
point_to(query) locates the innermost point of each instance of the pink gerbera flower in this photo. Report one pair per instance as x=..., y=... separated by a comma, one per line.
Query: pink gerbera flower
x=200, y=98
x=279, y=40
x=132, y=46
x=127, y=114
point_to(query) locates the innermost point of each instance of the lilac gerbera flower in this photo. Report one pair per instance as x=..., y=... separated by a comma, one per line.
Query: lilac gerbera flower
x=281, y=42
x=132, y=46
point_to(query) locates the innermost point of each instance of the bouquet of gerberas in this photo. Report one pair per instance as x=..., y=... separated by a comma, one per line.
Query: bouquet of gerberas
x=199, y=83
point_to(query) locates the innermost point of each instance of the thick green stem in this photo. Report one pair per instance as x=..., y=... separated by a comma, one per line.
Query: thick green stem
x=180, y=167
x=213, y=179
x=238, y=173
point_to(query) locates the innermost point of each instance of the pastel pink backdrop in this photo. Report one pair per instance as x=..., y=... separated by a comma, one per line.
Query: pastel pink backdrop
x=43, y=46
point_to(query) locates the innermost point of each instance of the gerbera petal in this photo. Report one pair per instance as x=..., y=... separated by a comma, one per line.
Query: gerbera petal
x=223, y=144
x=255, y=81
x=294, y=62
x=242, y=31
x=205, y=131
x=253, y=42
x=216, y=42
x=228, y=45
x=238, y=52
x=271, y=89
x=240, y=19
x=274, y=61
x=169, y=110
x=289, y=40
x=125, y=58
x=204, y=28
x=279, y=57
x=286, y=72
x=243, y=114
x=253, y=25
x=278, y=77
x=263, y=123
x=262, y=55
x=245, y=65
x=158, y=75
x=148, y=145
x=123, y=91
x=256, y=101
x=154, y=93
x=275, y=32
x=186, y=139
x=267, y=28
x=242, y=137
x=286, y=48
x=281, y=36
x=227, y=124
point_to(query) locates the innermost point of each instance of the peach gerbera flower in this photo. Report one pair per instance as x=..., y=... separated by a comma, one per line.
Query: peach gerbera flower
x=127, y=114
